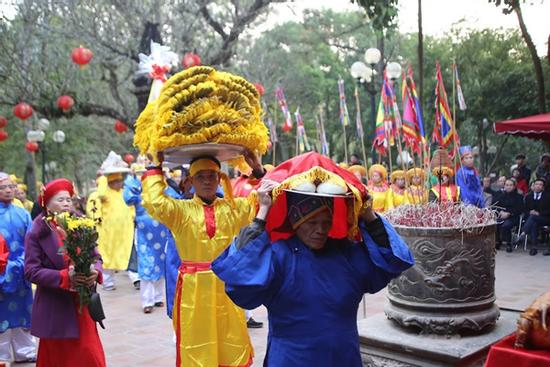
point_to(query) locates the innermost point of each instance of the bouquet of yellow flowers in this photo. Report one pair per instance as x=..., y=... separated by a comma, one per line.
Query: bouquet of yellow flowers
x=79, y=245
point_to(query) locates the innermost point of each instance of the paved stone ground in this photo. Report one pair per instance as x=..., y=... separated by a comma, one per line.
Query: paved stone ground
x=133, y=339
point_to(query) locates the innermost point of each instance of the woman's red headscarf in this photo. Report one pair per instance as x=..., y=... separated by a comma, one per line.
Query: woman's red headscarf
x=52, y=188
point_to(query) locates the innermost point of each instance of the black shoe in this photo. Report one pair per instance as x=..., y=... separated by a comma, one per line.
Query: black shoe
x=509, y=248
x=533, y=252
x=546, y=252
x=253, y=324
x=137, y=285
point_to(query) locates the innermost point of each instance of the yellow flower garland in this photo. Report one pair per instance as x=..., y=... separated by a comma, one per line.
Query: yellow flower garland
x=201, y=105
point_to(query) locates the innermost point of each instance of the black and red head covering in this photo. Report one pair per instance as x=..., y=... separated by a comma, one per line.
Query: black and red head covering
x=53, y=187
x=312, y=175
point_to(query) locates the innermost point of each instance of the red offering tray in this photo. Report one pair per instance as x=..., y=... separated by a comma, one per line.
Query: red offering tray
x=504, y=354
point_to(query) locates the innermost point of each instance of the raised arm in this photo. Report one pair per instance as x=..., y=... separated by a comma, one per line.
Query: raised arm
x=167, y=210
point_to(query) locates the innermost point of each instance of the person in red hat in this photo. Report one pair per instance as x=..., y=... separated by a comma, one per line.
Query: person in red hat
x=67, y=337
x=315, y=247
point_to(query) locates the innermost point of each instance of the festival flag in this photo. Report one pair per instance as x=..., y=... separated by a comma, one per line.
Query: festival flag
x=344, y=115
x=303, y=143
x=443, y=130
x=460, y=96
x=272, y=130
x=358, y=122
x=280, y=95
x=385, y=120
x=413, y=124
x=321, y=136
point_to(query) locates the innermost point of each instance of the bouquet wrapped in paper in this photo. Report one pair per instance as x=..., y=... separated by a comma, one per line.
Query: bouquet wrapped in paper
x=202, y=106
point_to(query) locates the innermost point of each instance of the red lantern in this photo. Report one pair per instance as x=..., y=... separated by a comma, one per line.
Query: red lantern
x=190, y=59
x=3, y=135
x=31, y=146
x=81, y=55
x=22, y=110
x=120, y=127
x=65, y=103
x=128, y=158
x=260, y=88
x=3, y=122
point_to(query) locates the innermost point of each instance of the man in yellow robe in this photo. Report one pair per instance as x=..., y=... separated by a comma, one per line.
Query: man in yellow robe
x=116, y=231
x=210, y=329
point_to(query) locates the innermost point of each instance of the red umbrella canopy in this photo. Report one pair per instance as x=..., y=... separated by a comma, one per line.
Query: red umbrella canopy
x=534, y=127
x=277, y=225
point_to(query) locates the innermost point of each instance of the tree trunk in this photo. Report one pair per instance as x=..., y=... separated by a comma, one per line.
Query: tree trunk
x=420, y=55
x=536, y=60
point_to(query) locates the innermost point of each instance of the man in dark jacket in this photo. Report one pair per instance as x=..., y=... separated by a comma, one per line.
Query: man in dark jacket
x=537, y=207
x=510, y=207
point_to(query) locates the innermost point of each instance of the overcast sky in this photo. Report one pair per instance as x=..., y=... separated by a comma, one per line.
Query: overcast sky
x=439, y=15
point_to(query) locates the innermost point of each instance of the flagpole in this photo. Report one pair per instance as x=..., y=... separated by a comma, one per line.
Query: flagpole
x=358, y=106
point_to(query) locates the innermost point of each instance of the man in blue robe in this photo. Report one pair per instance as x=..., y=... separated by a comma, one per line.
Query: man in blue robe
x=471, y=190
x=310, y=283
x=15, y=290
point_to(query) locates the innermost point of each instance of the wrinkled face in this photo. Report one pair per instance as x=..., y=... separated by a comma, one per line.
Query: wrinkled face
x=7, y=190
x=416, y=180
x=538, y=186
x=314, y=232
x=20, y=194
x=468, y=160
x=509, y=186
x=400, y=182
x=60, y=202
x=116, y=184
x=206, y=183
x=376, y=177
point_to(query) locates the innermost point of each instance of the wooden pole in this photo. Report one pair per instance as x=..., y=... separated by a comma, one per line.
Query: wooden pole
x=359, y=121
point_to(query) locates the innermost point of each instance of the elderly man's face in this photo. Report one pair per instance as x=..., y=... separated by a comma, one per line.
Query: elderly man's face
x=7, y=190
x=314, y=232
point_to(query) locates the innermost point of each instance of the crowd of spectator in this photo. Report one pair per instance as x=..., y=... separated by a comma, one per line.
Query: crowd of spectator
x=522, y=202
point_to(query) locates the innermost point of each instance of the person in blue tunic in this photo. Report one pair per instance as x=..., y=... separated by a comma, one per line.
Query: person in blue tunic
x=180, y=191
x=312, y=283
x=467, y=178
x=150, y=239
x=15, y=290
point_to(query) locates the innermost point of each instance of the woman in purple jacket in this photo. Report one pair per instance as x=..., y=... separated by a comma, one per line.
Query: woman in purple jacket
x=67, y=337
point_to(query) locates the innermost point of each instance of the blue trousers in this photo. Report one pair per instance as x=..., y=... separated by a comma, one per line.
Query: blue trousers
x=504, y=229
x=532, y=226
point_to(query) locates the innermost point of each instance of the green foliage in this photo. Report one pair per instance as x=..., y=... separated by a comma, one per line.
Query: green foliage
x=381, y=13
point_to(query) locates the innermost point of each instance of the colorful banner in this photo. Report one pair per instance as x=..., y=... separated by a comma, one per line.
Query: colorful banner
x=321, y=136
x=280, y=95
x=443, y=132
x=344, y=115
x=460, y=96
x=413, y=124
x=385, y=127
x=303, y=143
